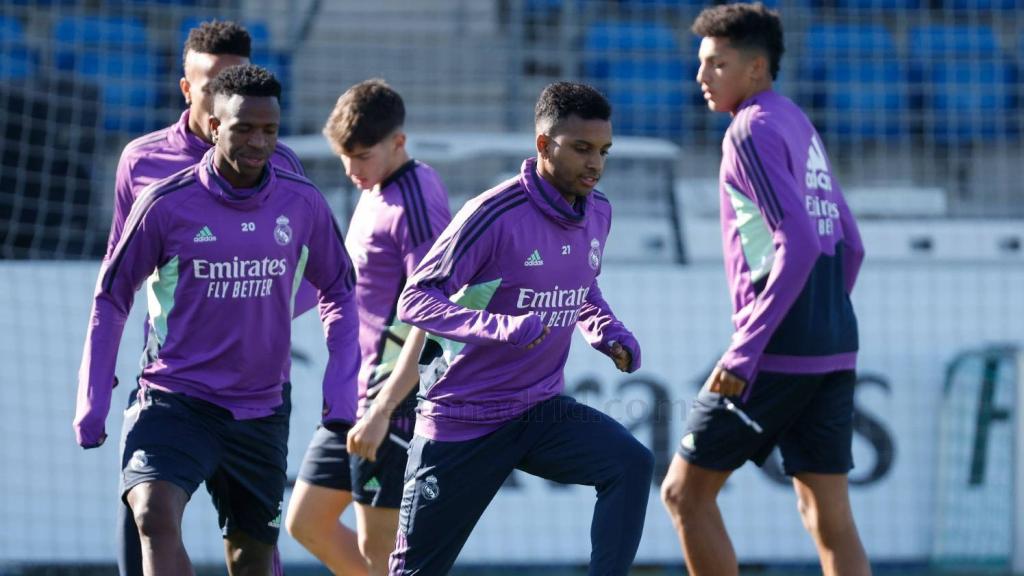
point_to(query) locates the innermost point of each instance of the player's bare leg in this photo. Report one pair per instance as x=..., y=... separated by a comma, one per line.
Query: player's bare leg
x=158, y=507
x=690, y=494
x=824, y=504
x=313, y=519
x=247, y=556
x=377, y=528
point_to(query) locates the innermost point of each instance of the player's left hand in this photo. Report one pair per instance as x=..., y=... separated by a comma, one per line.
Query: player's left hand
x=368, y=434
x=724, y=382
x=621, y=355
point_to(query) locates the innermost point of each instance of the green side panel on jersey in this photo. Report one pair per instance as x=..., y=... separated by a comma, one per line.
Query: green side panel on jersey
x=475, y=297
x=300, y=271
x=160, y=287
x=756, y=238
x=397, y=332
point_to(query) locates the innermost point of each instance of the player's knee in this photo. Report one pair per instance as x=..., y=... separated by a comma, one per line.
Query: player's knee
x=155, y=519
x=376, y=550
x=828, y=524
x=683, y=502
x=823, y=523
x=296, y=525
x=251, y=557
x=636, y=461
x=809, y=514
x=376, y=546
x=672, y=498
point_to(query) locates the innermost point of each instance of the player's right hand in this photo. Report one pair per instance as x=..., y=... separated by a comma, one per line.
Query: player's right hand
x=368, y=434
x=540, y=338
x=89, y=438
x=724, y=382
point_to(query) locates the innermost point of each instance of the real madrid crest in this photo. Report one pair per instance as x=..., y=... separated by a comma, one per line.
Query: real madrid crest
x=595, y=254
x=430, y=489
x=282, y=232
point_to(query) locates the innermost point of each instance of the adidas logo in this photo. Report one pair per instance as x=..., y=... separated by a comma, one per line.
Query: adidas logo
x=534, y=259
x=372, y=486
x=817, y=176
x=276, y=522
x=204, y=235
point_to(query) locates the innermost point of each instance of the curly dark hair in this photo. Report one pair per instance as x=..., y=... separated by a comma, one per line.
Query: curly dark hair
x=245, y=80
x=747, y=26
x=560, y=100
x=218, y=37
x=364, y=115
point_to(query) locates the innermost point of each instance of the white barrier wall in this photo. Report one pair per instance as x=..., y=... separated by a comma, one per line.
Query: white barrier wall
x=58, y=500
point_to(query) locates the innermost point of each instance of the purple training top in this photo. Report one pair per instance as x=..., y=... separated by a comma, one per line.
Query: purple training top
x=159, y=154
x=167, y=151
x=515, y=259
x=392, y=227
x=792, y=249
x=221, y=269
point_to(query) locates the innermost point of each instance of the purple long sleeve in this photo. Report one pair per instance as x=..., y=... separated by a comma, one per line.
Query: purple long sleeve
x=455, y=261
x=331, y=272
x=600, y=327
x=792, y=250
x=392, y=228
x=853, y=246
x=516, y=260
x=120, y=277
x=222, y=269
x=794, y=238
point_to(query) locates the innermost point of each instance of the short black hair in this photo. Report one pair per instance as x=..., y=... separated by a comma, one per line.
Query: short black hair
x=747, y=27
x=364, y=115
x=560, y=100
x=218, y=37
x=245, y=80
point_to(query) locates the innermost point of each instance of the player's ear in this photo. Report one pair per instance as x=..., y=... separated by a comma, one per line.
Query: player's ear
x=185, y=86
x=399, y=139
x=759, y=67
x=543, y=143
x=214, y=128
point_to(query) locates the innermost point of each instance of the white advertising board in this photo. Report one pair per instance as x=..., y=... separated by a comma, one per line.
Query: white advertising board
x=58, y=501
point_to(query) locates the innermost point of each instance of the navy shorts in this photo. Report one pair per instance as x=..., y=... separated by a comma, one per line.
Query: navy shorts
x=379, y=484
x=326, y=462
x=808, y=416
x=187, y=441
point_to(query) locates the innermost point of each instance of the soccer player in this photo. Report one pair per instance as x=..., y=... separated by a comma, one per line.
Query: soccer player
x=402, y=208
x=222, y=247
x=209, y=48
x=505, y=285
x=792, y=253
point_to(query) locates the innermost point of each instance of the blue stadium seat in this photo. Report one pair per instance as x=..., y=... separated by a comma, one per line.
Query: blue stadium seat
x=11, y=30
x=116, y=54
x=666, y=3
x=110, y=31
x=42, y=3
x=984, y=5
x=850, y=40
x=17, y=59
x=963, y=82
x=879, y=4
x=180, y=3
x=938, y=41
x=640, y=66
x=858, y=84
